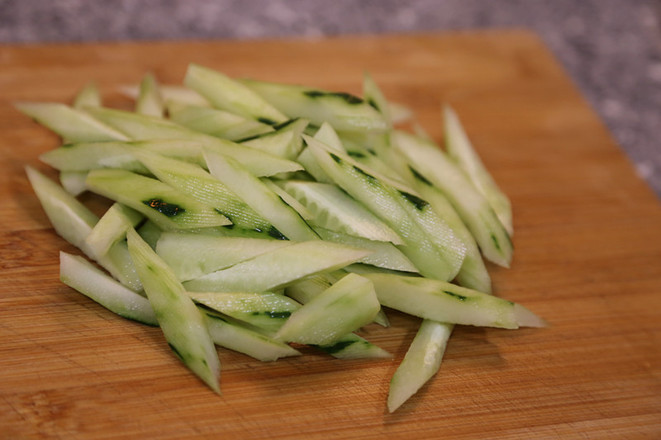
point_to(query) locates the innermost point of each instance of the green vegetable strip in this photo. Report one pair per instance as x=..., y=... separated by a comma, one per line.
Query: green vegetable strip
x=267, y=311
x=150, y=101
x=193, y=180
x=235, y=337
x=341, y=110
x=259, y=197
x=88, y=96
x=193, y=255
x=73, y=182
x=228, y=94
x=274, y=270
x=111, y=228
x=71, y=124
x=461, y=150
x=216, y=122
x=446, y=302
x=473, y=208
x=183, y=325
x=72, y=220
x=80, y=274
x=374, y=96
x=389, y=205
x=342, y=308
x=421, y=362
x=164, y=205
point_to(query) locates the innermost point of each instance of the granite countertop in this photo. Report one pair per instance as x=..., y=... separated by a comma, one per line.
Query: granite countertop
x=611, y=48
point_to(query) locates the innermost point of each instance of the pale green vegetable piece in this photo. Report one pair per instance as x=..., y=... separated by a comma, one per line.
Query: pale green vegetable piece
x=344, y=307
x=183, y=325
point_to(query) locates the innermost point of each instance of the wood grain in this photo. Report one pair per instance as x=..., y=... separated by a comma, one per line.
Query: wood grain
x=587, y=258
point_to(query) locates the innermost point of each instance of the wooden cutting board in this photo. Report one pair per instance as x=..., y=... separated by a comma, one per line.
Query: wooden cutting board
x=587, y=258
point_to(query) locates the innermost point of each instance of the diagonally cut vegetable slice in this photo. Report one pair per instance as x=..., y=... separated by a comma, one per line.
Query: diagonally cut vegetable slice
x=88, y=96
x=473, y=208
x=235, y=337
x=111, y=228
x=228, y=94
x=150, y=101
x=384, y=254
x=446, y=302
x=215, y=122
x=71, y=124
x=183, y=325
x=344, y=307
x=461, y=150
x=267, y=311
x=193, y=255
x=435, y=256
x=334, y=209
x=80, y=274
x=259, y=197
x=285, y=141
x=164, y=205
x=196, y=182
x=72, y=220
x=341, y=110
x=274, y=270
x=421, y=362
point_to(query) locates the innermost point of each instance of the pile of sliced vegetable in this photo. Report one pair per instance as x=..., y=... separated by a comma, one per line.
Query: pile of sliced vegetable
x=261, y=217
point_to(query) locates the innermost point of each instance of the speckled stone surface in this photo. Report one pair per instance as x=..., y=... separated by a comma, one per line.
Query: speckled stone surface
x=611, y=48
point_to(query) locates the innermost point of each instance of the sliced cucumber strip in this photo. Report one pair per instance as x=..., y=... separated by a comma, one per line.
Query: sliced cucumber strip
x=193, y=180
x=349, y=346
x=461, y=150
x=473, y=272
x=384, y=254
x=228, y=94
x=184, y=326
x=421, y=362
x=305, y=289
x=473, y=208
x=398, y=210
x=334, y=209
x=344, y=307
x=150, y=233
x=193, y=255
x=274, y=270
x=259, y=197
x=88, y=156
x=80, y=274
x=285, y=141
x=112, y=227
x=265, y=310
x=71, y=124
x=288, y=199
x=216, y=122
x=150, y=101
x=329, y=136
x=374, y=96
x=169, y=92
x=446, y=302
x=73, y=182
x=165, y=206
x=144, y=127
x=82, y=157
x=88, y=96
x=228, y=334
x=352, y=346
x=341, y=110
x=72, y=220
